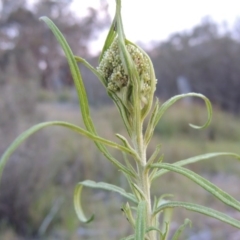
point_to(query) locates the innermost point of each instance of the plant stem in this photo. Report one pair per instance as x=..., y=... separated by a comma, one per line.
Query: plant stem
x=143, y=180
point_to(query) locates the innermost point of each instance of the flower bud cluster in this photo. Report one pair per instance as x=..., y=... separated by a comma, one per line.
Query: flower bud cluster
x=111, y=68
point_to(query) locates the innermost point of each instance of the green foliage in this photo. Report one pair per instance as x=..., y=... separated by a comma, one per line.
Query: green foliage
x=134, y=101
x=181, y=229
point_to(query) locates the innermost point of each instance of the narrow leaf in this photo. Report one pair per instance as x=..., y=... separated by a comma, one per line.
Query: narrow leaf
x=101, y=185
x=128, y=212
x=166, y=231
x=181, y=229
x=140, y=221
x=130, y=167
x=197, y=159
x=78, y=205
x=130, y=69
x=122, y=110
x=82, y=95
x=154, y=156
x=108, y=187
x=167, y=216
x=92, y=69
x=131, y=237
x=174, y=99
x=22, y=137
x=204, y=183
x=150, y=127
x=110, y=37
x=126, y=143
x=148, y=106
x=139, y=191
x=155, y=170
x=149, y=229
x=203, y=210
x=169, y=103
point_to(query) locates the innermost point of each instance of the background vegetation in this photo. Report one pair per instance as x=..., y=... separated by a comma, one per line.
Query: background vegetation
x=35, y=86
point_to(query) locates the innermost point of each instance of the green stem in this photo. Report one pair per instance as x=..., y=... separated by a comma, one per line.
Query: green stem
x=144, y=180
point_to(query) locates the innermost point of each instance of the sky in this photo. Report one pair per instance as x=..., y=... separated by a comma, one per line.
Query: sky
x=154, y=20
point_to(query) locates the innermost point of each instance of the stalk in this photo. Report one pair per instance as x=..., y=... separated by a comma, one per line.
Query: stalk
x=144, y=180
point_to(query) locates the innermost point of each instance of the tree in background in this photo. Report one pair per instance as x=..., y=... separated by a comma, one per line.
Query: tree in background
x=29, y=58
x=22, y=36
x=208, y=56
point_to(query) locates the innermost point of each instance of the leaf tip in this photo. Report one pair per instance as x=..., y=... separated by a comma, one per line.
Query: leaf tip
x=42, y=18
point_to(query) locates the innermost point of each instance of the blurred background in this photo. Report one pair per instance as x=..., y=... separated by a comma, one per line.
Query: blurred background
x=194, y=47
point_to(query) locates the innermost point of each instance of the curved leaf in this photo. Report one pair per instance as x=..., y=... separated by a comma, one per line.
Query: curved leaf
x=22, y=137
x=174, y=99
x=109, y=187
x=197, y=159
x=99, y=185
x=82, y=95
x=149, y=229
x=204, y=183
x=201, y=209
x=78, y=205
x=152, y=124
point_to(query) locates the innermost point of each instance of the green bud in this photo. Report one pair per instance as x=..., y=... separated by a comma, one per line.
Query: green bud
x=112, y=69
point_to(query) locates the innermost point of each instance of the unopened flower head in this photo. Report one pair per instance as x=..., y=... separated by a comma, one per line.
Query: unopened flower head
x=111, y=68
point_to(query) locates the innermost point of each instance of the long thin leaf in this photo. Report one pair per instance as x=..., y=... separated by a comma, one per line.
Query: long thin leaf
x=82, y=95
x=197, y=159
x=129, y=166
x=100, y=185
x=166, y=231
x=122, y=110
x=83, y=101
x=126, y=143
x=78, y=205
x=169, y=103
x=150, y=126
x=139, y=191
x=201, y=209
x=204, y=183
x=154, y=155
x=174, y=99
x=92, y=69
x=128, y=213
x=140, y=227
x=131, y=237
x=110, y=37
x=167, y=217
x=152, y=76
x=109, y=187
x=131, y=70
x=149, y=229
x=22, y=137
x=181, y=229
